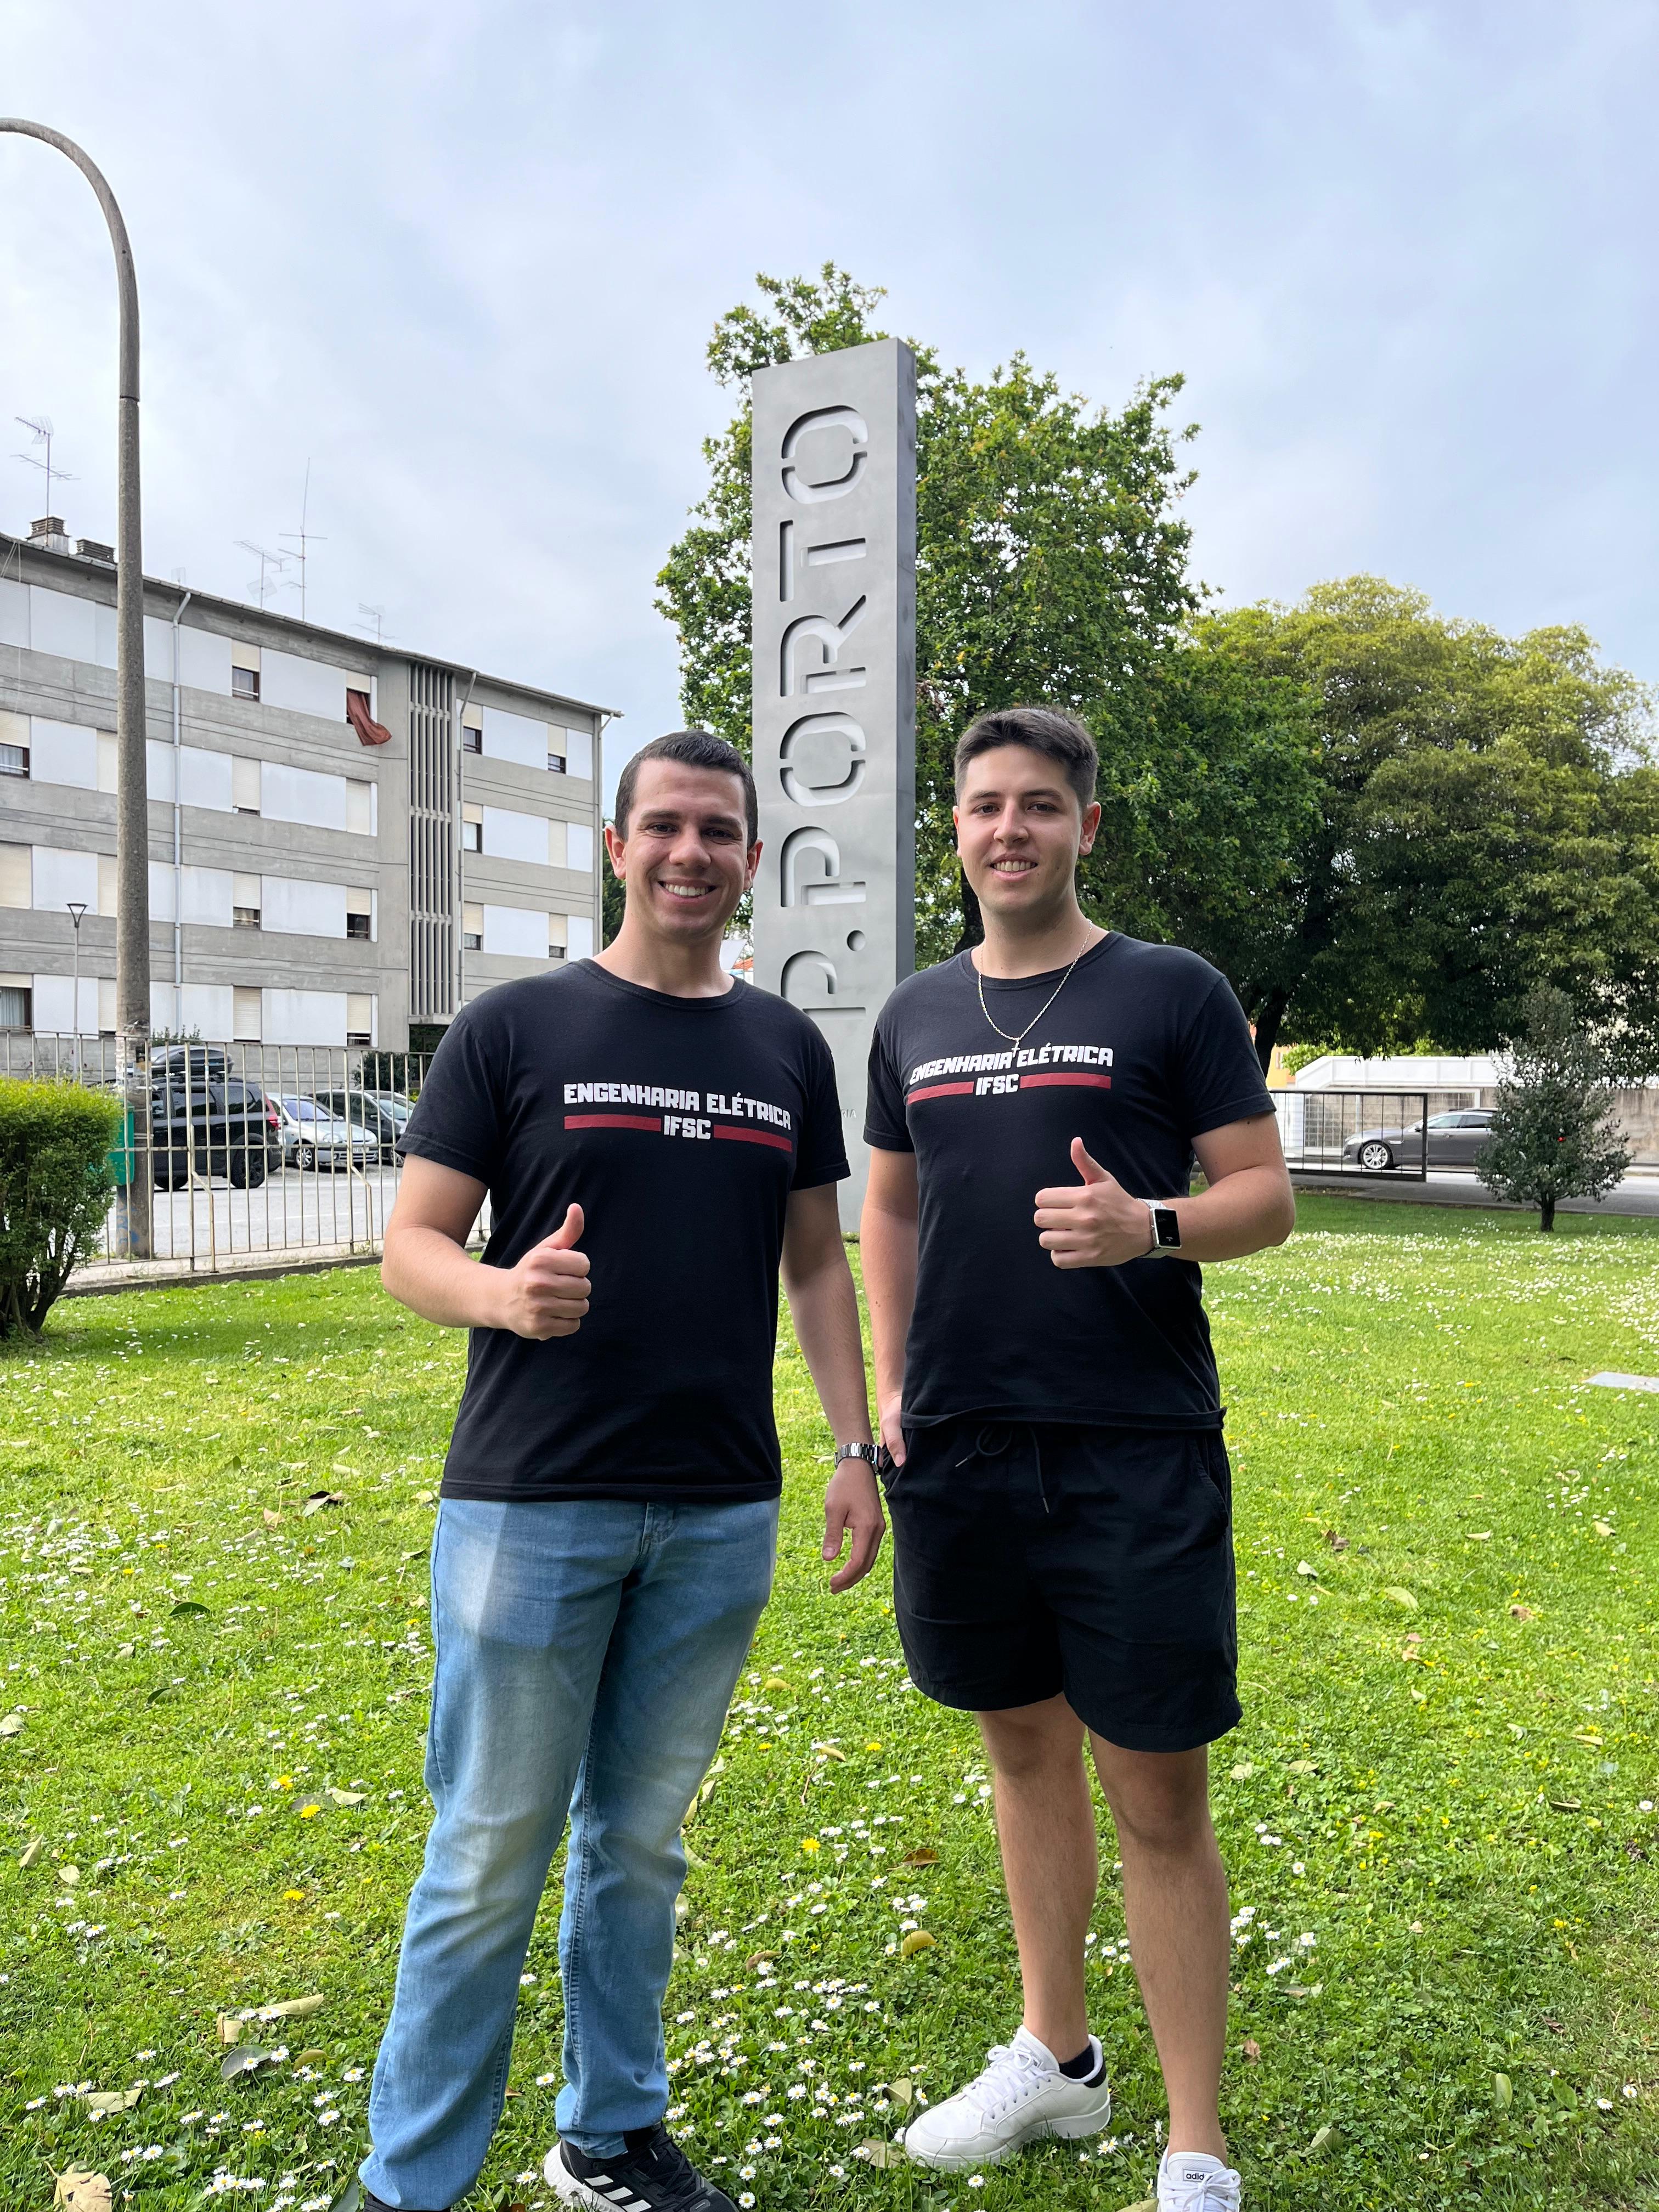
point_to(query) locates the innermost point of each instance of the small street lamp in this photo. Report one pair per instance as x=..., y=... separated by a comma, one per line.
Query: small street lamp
x=76, y=909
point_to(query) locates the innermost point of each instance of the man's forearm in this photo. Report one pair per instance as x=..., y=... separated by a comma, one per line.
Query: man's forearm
x=887, y=1247
x=436, y=1278
x=825, y=1308
x=1242, y=1212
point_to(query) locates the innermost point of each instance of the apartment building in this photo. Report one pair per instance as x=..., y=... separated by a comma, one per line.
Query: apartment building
x=345, y=841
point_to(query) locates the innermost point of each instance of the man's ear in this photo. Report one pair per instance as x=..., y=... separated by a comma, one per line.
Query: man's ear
x=752, y=865
x=1091, y=828
x=617, y=847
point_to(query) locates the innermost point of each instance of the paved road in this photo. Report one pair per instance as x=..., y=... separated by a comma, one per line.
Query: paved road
x=292, y=1211
x=1637, y=1194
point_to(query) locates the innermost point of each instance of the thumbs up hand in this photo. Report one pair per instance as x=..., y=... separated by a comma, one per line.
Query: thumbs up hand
x=546, y=1293
x=1094, y=1223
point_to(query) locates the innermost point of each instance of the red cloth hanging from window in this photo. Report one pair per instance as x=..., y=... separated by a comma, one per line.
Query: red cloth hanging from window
x=369, y=731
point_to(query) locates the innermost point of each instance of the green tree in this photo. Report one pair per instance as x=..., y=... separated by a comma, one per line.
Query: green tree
x=1552, y=1136
x=1485, y=823
x=1051, y=567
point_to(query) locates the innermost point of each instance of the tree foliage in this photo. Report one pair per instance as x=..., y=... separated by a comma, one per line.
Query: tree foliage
x=1484, y=823
x=55, y=1186
x=1552, y=1136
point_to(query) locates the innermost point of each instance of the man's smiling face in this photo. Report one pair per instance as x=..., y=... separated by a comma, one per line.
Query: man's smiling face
x=1019, y=832
x=684, y=855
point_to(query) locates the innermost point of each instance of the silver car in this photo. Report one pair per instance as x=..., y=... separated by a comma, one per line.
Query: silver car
x=1453, y=1141
x=314, y=1137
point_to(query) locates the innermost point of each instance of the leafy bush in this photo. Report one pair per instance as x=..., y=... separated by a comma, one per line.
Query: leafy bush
x=1550, y=1135
x=55, y=1184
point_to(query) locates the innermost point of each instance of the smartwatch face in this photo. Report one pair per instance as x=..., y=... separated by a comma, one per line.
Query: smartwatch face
x=1167, y=1224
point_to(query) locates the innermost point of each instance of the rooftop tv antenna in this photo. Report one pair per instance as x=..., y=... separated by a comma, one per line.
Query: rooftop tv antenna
x=40, y=425
x=305, y=537
x=375, y=626
x=267, y=561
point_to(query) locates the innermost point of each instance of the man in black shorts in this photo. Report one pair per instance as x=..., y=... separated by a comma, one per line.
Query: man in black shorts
x=1059, y=1494
x=658, y=1144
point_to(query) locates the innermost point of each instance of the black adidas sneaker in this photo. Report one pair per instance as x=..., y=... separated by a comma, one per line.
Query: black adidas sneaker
x=654, y=2174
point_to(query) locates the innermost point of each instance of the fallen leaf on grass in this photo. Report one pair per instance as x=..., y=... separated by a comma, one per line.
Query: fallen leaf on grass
x=1503, y=2090
x=1301, y=1766
x=1243, y=1772
x=350, y=2198
x=1401, y=1596
x=1140, y=2204
x=292, y=2008
x=1521, y=1613
x=759, y=1958
x=312, y=2055
x=79, y=2191
x=247, y=2058
x=1566, y=1804
x=1307, y=1567
x=900, y=2093
x=270, y=1519
x=69, y=1875
x=346, y=1796
x=32, y=1851
x=12, y=1725
x=125, y=1651
x=1602, y=1527
x=1318, y=2146
x=1252, y=2049
x=188, y=1607
x=924, y=1855
x=882, y=2153
x=113, y=2100
x=829, y=1751
x=319, y=1499
x=917, y=1940
x=774, y=1682
x=1337, y=1543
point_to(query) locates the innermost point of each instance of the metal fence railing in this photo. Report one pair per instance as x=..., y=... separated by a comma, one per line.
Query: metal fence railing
x=254, y=1150
x=1354, y=1133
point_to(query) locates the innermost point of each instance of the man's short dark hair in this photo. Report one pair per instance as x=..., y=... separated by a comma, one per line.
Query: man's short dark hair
x=692, y=748
x=1045, y=730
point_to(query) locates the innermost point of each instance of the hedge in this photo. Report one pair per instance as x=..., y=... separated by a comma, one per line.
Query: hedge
x=55, y=1186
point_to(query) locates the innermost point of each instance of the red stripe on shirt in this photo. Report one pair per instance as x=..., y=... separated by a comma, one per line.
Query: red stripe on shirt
x=941, y=1090
x=614, y=1121
x=753, y=1136
x=1094, y=1082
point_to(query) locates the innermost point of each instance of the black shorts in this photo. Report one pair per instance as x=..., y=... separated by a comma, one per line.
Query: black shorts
x=1031, y=1558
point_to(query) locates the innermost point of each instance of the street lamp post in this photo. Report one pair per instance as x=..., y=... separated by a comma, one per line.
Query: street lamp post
x=76, y=909
x=133, y=800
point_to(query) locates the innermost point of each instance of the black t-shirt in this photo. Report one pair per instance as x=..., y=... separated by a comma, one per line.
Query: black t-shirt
x=679, y=1126
x=1144, y=1049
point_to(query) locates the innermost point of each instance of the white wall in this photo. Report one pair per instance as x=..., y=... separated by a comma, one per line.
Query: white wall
x=208, y=1009
x=510, y=836
x=61, y=876
x=514, y=737
x=62, y=752
x=579, y=937
x=54, y=1004
x=520, y=931
x=207, y=894
x=302, y=794
x=292, y=909
x=579, y=847
x=205, y=777
x=301, y=1017
x=578, y=753
x=60, y=622
x=308, y=687
x=14, y=613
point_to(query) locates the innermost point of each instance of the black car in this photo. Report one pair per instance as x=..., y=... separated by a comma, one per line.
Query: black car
x=365, y=1110
x=201, y=1115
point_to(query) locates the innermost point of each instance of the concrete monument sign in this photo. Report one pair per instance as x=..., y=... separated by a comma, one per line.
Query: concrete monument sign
x=834, y=656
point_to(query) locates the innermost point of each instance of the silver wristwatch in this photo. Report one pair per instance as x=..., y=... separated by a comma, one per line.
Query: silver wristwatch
x=1166, y=1228
x=855, y=1451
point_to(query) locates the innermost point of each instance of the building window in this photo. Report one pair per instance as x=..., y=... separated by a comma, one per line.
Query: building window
x=358, y=1036
x=357, y=926
x=472, y=739
x=247, y=917
x=244, y=683
x=473, y=940
x=16, y=1006
x=555, y=952
x=472, y=837
x=14, y=760
x=555, y=763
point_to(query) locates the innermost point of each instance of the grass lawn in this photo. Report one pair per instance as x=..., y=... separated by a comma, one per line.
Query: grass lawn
x=1438, y=1814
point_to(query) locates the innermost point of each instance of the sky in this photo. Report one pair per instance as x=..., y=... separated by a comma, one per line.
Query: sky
x=462, y=261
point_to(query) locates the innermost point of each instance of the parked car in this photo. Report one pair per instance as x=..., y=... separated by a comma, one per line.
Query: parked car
x=1453, y=1141
x=200, y=1116
x=372, y=1111
x=314, y=1137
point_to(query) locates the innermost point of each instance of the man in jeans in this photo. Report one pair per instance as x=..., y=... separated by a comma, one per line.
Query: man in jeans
x=658, y=1143
x=1062, y=1561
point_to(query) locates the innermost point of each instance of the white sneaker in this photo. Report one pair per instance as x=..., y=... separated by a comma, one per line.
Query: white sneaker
x=1192, y=2181
x=1021, y=2095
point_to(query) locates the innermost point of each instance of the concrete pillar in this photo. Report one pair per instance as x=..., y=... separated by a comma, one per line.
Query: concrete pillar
x=835, y=685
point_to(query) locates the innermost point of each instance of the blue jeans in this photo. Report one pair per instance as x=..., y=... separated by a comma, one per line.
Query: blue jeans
x=585, y=1656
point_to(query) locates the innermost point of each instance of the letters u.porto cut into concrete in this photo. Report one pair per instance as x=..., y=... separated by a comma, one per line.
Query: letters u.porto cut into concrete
x=834, y=656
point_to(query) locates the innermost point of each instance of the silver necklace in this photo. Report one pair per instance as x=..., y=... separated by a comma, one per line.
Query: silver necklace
x=980, y=979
